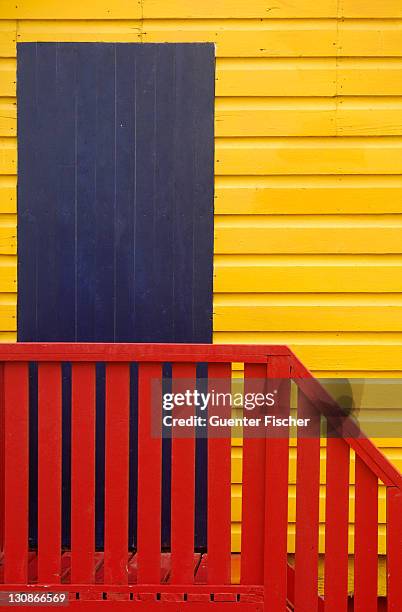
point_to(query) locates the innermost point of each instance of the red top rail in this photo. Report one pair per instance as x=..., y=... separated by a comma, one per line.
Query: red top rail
x=80, y=351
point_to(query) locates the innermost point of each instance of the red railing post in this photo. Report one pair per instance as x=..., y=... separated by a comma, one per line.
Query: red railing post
x=149, y=475
x=307, y=508
x=253, y=491
x=49, y=473
x=16, y=459
x=219, y=487
x=276, y=493
x=394, y=549
x=116, y=472
x=336, y=526
x=83, y=419
x=366, y=539
x=183, y=488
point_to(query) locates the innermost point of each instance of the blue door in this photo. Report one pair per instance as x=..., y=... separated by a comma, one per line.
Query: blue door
x=115, y=214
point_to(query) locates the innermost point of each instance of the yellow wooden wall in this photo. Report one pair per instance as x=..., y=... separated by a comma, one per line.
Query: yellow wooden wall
x=308, y=246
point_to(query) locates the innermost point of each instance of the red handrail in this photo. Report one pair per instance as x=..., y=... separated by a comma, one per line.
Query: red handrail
x=363, y=446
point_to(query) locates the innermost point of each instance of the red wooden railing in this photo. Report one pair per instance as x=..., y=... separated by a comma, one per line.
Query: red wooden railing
x=116, y=575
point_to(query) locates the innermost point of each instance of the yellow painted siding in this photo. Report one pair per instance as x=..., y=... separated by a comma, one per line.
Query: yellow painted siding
x=308, y=199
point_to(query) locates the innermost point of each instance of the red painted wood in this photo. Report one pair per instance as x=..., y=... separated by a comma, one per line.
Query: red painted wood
x=149, y=604
x=276, y=492
x=164, y=568
x=124, y=352
x=253, y=491
x=394, y=549
x=49, y=472
x=137, y=588
x=16, y=464
x=83, y=473
x=366, y=539
x=336, y=526
x=307, y=509
x=116, y=472
x=219, y=487
x=149, y=475
x=369, y=466
x=183, y=486
x=291, y=589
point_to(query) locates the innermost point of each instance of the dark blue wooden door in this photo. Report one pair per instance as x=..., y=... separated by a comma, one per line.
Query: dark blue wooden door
x=115, y=206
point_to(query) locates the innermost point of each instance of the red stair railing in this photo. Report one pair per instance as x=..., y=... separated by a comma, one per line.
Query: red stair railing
x=182, y=576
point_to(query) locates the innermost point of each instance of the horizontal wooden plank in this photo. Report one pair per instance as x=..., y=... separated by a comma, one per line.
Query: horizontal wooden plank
x=8, y=36
x=287, y=274
x=247, y=37
x=8, y=274
x=76, y=30
x=370, y=37
x=7, y=77
x=286, y=77
x=8, y=316
x=283, y=38
x=309, y=77
x=360, y=8
x=91, y=9
x=8, y=239
x=267, y=117
x=340, y=116
x=236, y=8
x=305, y=194
x=329, y=351
x=380, y=119
x=8, y=194
x=7, y=337
x=326, y=234
x=369, y=77
x=8, y=161
x=284, y=117
x=8, y=117
x=276, y=77
x=252, y=315
x=274, y=156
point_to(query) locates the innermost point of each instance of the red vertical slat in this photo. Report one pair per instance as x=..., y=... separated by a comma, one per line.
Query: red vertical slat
x=16, y=468
x=307, y=508
x=366, y=539
x=219, y=488
x=49, y=472
x=83, y=473
x=116, y=472
x=253, y=490
x=149, y=475
x=276, y=492
x=183, y=488
x=394, y=549
x=336, y=526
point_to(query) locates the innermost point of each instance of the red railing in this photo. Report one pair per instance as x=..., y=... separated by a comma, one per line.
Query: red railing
x=148, y=574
